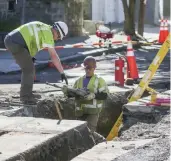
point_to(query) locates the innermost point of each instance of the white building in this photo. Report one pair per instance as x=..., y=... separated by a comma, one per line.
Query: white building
x=112, y=10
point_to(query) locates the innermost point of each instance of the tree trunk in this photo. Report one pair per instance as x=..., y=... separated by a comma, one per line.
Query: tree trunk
x=129, y=26
x=158, y=11
x=141, y=17
x=74, y=16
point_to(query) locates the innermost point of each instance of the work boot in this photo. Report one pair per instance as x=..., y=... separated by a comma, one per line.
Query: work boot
x=37, y=96
x=30, y=99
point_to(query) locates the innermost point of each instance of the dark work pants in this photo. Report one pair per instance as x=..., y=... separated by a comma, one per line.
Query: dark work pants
x=24, y=60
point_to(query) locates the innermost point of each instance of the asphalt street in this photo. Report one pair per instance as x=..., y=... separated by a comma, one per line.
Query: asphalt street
x=105, y=68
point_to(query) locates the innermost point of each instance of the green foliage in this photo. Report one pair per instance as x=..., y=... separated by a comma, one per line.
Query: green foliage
x=8, y=25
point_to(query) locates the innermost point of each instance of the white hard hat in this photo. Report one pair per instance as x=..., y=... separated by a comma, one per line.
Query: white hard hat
x=61, y=27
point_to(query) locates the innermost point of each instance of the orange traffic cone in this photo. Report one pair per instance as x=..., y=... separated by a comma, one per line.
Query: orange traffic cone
x=166, y=32
x=132, y=70
x=161, y=33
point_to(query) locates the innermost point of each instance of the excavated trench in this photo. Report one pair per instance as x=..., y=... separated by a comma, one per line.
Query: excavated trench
x=108, y=116
x=113, y=107
x=79, y=140
x=83, y=139
x=110, y=113
x=46, y=108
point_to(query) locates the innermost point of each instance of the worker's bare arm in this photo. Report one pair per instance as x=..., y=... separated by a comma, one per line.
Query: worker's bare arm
x=55, y=59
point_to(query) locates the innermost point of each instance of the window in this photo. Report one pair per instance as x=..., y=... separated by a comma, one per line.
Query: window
x=11, y=5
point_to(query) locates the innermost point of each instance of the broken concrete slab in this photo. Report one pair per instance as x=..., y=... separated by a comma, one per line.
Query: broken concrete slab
x=33, y=139
x=35, y=125
x=141, y=111
x=14, y=143
x=146, y=124
x=111, y=150
x=8, y=122
x=157, y=150
x=140, y=141
x=141, y=105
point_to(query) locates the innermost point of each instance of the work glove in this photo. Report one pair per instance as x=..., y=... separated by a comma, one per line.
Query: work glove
x=90, y=96
x=33, y=59
x=63, y=77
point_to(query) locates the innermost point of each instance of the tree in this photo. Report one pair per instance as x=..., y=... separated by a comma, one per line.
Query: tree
x=129, y=26
x=141, y=17
x=74, y=16
x=129, y=23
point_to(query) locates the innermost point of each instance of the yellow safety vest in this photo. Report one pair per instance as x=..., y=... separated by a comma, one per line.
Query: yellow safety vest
x=37, y=36
x=93, y=106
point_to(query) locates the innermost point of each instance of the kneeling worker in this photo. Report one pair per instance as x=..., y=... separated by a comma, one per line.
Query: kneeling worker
x=89, y=107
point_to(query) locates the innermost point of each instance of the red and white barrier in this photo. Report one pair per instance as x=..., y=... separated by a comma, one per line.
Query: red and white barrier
x=84, y=45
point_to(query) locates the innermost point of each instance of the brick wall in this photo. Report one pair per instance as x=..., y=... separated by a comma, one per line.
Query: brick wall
x=45, y=12
x=3, y=9
x=34, y=10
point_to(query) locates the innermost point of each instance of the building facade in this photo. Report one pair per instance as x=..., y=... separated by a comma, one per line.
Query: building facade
x=112, y=11
x=34, y=9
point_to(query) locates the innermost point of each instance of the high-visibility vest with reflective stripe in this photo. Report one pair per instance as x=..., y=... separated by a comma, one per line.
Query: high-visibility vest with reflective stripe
x=37, y=36
x=93, y=106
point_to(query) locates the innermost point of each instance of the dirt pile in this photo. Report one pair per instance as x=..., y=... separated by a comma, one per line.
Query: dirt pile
x=157, y=150
x=46, y=108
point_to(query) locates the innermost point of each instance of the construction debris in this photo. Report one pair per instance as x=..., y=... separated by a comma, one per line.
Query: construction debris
x=46, y=108
x=38, y=139
x=144, y=136
x=140, y=130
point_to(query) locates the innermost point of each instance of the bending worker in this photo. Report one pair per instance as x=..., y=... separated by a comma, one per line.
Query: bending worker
x=89, y=107
x=25, y=41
